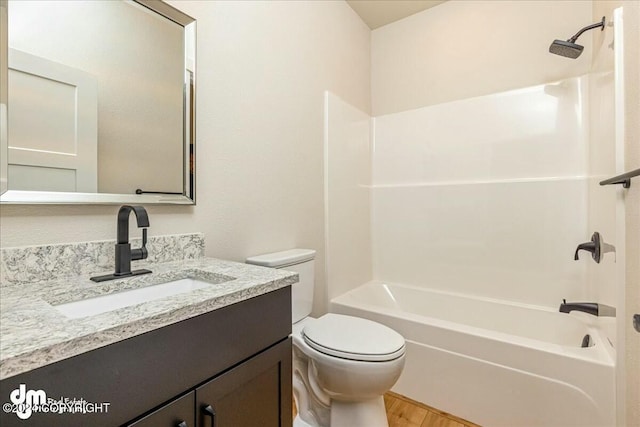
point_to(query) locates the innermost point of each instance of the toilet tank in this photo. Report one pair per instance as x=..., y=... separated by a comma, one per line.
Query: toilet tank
x=299, y=261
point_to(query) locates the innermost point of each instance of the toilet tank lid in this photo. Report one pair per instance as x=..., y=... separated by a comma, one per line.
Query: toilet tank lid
x=283, y=258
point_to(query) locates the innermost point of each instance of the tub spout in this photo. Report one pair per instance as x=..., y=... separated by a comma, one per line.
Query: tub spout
x=592, y=308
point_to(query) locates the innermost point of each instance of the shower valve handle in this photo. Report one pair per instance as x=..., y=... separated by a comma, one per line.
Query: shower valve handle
x=594, y=246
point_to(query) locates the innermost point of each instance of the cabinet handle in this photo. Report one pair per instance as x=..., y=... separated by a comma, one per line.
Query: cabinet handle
x=209, y=412
x=182, y=424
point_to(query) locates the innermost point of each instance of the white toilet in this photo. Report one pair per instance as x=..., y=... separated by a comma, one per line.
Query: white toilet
x=342, y=365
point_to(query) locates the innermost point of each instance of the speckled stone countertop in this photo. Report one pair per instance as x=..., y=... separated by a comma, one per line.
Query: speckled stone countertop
x=33, y=333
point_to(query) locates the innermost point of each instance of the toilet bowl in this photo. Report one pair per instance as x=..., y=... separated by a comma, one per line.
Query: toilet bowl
x=342, y=365
x=345, y=375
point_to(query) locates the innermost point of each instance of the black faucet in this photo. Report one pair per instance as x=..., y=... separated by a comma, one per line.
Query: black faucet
x=124, y=253
x=592, y=308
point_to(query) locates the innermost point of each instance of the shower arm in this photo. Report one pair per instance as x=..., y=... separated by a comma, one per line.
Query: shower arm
x=587, y=28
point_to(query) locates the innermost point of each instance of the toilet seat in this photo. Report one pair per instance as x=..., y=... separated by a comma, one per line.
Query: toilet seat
x=353, y=338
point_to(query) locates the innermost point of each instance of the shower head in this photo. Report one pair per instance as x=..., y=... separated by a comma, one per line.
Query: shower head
x=569, y=48
x=566, y=49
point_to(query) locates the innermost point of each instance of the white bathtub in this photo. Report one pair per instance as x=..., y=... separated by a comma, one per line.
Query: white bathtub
x=493, y=362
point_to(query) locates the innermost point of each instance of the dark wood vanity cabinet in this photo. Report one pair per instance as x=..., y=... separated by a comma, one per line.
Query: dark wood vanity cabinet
x=226, y=368
x=250, y=395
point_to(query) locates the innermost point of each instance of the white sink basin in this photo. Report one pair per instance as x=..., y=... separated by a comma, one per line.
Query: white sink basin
x=97, y=305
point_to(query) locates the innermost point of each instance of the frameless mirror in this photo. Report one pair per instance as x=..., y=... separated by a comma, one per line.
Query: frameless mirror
x=98, y=102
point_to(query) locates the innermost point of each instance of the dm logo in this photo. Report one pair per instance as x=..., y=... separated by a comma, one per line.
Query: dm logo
x=25, y=400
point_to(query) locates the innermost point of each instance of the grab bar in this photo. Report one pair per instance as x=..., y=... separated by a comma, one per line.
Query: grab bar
x=624, y=179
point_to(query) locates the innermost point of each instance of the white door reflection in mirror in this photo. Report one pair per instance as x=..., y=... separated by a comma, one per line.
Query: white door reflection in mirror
x=53, y=126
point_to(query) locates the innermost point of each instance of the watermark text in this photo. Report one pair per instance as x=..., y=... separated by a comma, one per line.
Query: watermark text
x=24, y=402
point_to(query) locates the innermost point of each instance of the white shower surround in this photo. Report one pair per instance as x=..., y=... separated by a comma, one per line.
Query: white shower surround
x=482, y=199
x=485, y=196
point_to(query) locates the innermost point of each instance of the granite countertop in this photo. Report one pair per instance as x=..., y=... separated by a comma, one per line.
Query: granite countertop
x=33, y=333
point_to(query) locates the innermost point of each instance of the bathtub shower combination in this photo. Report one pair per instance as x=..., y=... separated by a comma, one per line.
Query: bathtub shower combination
x=493, y=362
x=468, y=214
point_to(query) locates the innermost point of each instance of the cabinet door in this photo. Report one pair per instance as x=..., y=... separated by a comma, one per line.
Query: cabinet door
x=256, y=393
x=178, y=413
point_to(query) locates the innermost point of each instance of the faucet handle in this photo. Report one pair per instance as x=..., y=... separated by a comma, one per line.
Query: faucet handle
x=141, y=252
x=594, y=246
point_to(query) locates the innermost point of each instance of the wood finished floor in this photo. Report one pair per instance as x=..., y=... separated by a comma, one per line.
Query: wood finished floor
x=404, y=412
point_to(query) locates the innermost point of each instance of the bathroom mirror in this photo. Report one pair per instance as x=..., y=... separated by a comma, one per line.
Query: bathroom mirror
x=97, y=102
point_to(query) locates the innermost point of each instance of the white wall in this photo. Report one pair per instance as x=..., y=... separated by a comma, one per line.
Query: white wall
x=347, y=196
x=632, y=214
x=629, y=389
x=460, y=49
x=262, y=70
